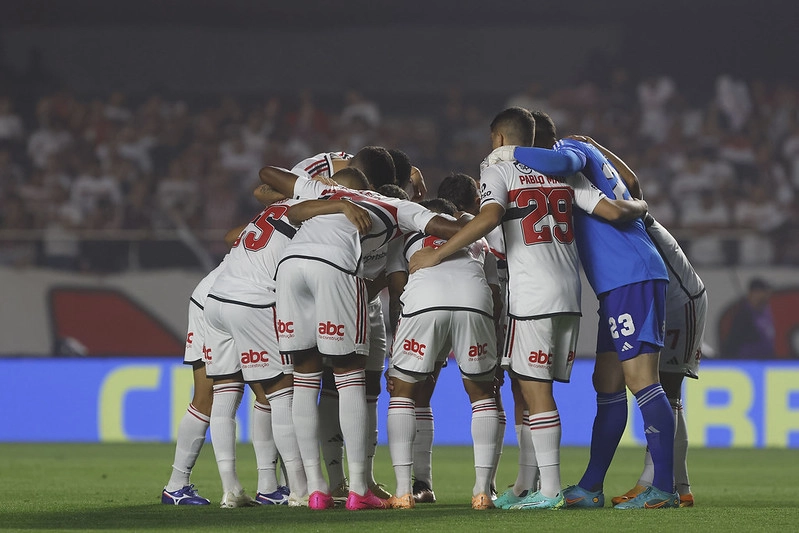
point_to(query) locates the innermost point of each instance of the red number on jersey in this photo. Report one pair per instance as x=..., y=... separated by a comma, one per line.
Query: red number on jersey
x=556, y=202
x=256, y=240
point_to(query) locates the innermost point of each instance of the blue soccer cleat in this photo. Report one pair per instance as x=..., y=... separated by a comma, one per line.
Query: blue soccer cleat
x=279, y=497
x=536, y=500
x=508, y=498
x=185, y=496
x=578, y=497
x=652, y=498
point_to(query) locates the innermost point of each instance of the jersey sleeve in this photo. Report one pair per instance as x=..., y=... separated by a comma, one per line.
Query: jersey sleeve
x=412, y=216
x=493, y=187
x=305, y=189
x=561, y=162
x=586, y=195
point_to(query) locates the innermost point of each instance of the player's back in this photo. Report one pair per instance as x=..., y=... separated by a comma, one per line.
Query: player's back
x=457, y=282
x=542, y=257
x=613, y=255
x=684, y=283
x=253, y=258
x=334, y=239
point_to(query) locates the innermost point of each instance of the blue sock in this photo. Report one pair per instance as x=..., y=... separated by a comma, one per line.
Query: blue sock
x=659, y=429
x=609, y=424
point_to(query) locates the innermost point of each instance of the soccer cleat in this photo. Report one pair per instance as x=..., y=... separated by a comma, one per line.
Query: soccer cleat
x=537, y=500
x=379, y=490
x=185, y=496
x=493, y=492
x=356, y=502
x=508, y=498
x=629, y=495
x=401, y=502
x=341, y=492
x=482, y=502
x=686, y=500
x=231, y=500
x=279, y=497
x=578, y=497
x=422, y=493
x=296, y=500
x=319, y=500
x=651, y=498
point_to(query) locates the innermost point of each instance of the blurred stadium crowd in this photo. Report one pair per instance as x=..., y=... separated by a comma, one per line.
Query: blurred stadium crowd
x=118, y=181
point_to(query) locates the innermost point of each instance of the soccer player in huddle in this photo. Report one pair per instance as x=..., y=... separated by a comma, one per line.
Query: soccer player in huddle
x=631, y=286
x=448, y=307
x=543, y=303
x=321, y=303
x=686, y=308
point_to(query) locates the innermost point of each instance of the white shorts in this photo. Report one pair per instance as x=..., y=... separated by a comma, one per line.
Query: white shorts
x=241, y=337
x=376, y=362
x=321, y=306
x=541, y=349
x=682, y=349
x=195, y=337
x=426, y=338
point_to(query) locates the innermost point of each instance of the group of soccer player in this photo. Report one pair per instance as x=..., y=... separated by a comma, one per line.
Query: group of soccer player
x=294, y=311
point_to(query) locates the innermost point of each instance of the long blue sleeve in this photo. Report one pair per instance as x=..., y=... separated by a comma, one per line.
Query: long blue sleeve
x=555, y=163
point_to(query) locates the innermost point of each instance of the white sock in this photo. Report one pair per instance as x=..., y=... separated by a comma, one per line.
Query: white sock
x=401, y=425
x=227, y=398
x=681, y=480
x=191, y=437
x=371, y=438
x=305, y=415
x=648, y=473
x=499, y=446
x=528, y=467
x=286, y=440
x=264, y=445
x=545, y=430
x=485, y=424
x=353, y=418
x=423, y=445
x=330, y=437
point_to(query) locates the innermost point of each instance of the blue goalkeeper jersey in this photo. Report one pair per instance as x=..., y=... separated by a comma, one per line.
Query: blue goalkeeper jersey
x=613, y=255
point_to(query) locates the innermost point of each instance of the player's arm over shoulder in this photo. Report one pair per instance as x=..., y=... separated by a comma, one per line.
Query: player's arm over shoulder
x=593, y=201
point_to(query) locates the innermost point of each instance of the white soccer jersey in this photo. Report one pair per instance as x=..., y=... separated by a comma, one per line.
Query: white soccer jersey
x=335, y=240
x=320, y=165
x=252, y=262
x=543, y=264
x=459, y=282
x=684, y=283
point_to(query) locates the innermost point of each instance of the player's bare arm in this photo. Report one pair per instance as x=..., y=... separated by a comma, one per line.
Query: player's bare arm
x=620, y=210
x=626, y=173
x=299, y=213
x=279, y=179
x=488, y=218
x=232, y=235
x=419, y=186
x=266, y=195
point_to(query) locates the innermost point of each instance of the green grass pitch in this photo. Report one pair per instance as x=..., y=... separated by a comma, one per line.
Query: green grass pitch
x=116, y=487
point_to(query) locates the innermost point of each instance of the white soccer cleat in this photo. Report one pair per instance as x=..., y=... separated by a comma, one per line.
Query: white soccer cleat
x=231, y=500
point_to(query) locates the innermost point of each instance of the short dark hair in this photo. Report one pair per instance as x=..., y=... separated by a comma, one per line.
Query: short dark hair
x=393, y=191
x=460, y=189
x=759, y=284
x=377, y=164
x=546, y=134
x=402, y=165
x=440, y=205
x=517, y=124
x=352, y=178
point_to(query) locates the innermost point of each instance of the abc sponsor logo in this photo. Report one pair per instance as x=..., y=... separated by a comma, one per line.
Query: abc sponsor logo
x=188, y=339
x=540, y=358
x=285, y=329
x=414, y=347
x=207, y=355
x=329, y=330
x=255, y=357
x=477, y=350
